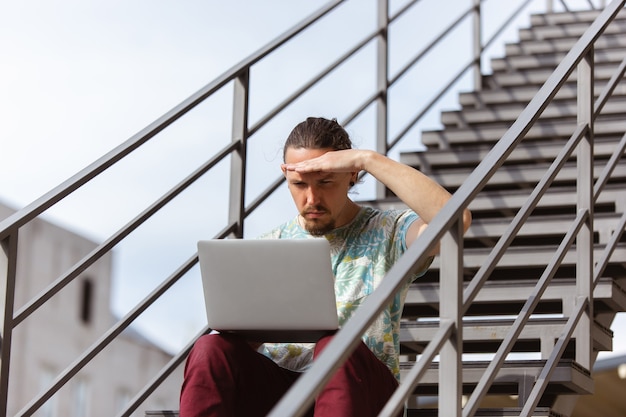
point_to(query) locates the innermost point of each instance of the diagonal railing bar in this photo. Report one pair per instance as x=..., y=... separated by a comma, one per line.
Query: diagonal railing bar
x=425, y=109
x=609, y=88
x=288, y=35
x=52, y=197
x=543, y=379
x=167, y=370
x=610, y=247
x=610, y=166
x=405, y=8
x=264, y=195
x=564, y=4
x=411, y=378
x=528, y=308
x=106, y=339
x=446, y=88
x=312, y=82
x=444, y=33
x=105, y=247
x=521, y=216
x=506, y=24
x=360, y=109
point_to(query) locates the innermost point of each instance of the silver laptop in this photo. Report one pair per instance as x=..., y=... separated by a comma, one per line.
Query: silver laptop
x=269, y=290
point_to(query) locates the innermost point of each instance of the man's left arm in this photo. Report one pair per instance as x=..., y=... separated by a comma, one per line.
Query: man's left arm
x=419, y=192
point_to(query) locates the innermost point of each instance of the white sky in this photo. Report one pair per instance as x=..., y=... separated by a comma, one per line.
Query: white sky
x=78, y=78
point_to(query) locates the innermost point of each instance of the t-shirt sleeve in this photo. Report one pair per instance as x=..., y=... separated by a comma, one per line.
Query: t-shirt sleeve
x=403, y=222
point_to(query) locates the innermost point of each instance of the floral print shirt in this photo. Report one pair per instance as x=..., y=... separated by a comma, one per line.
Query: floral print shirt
x=361, y=254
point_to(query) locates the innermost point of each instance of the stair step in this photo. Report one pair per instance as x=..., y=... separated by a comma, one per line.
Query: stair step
x=490, y=229
x=487, y=412
x=506, y=203
x=533, y=47
x=523, y=94
x=514, y=377
x=521, y=176
x=527, y=257
x=560, y=18
x=558, y=110
x=486, y=335
x=571, y=29
x=538, y=76
x=552, y=60
x=506, y=297
x=490, y=134
x=537, y=151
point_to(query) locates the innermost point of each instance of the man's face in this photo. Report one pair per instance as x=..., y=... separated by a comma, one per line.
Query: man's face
x=320, y=197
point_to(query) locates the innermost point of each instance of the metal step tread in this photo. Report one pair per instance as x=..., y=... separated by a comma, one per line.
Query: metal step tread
x=535, y=256
x=538, y=226
x=558, y=110
x=485, y=335
x=539, y=76
x=507, y=296
x=435, y=158
x=564, y=18
x=542, y=31
x=492, y=133
x=531, y=47
x=508, y=202
x=523, y=94
x=522, y=175
x=568, y=377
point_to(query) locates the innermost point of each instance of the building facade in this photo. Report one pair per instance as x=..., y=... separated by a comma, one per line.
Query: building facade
x=59, y=332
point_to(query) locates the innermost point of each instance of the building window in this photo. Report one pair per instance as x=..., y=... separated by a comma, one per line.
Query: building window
x=86, y=302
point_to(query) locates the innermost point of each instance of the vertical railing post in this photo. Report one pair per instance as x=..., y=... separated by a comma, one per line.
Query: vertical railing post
x=450, y=308
x=584, y=186
x=382, y=83
x=238, y=159
x=477, y=45
x=549, y=6
x=8, y=271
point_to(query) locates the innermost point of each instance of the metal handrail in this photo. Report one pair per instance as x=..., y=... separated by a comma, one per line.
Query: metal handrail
x=350, y=334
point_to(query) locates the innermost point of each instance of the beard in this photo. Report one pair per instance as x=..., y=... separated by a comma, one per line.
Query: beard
x=315, y=226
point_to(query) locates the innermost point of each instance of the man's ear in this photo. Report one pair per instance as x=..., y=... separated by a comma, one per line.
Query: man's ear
x=282, y=168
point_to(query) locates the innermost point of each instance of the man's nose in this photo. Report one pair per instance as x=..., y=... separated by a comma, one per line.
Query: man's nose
x=312, y=196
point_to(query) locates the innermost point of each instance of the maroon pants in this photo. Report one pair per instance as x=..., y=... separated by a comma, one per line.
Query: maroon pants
x=224, y=376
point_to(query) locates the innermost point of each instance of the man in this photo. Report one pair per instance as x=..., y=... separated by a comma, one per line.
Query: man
x=225, y=376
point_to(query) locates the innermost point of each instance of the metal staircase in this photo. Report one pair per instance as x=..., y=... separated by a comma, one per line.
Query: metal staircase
x=518, y=307
x=454, y=151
